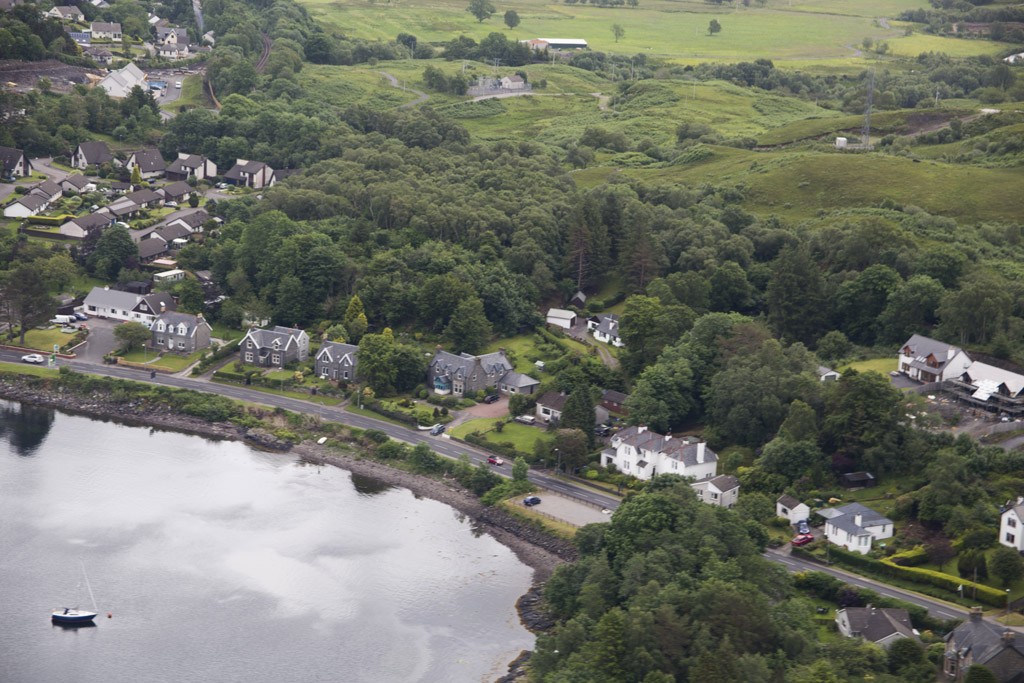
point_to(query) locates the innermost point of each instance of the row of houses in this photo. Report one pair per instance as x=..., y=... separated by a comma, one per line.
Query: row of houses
x=38, y=199
x=151, y=165
x=604, y=326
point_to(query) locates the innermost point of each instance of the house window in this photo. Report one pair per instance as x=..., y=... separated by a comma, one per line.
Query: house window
x=181, y=345
x=1010, y=538
x=714, y=496
x=248, y=357
x=276, y=359
x=675, y=464
x=345, y=374
x=160, y=341
x=1011, y=523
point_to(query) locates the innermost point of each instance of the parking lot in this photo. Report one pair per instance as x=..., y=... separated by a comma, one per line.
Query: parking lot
x=567, y=509
x=100, y=342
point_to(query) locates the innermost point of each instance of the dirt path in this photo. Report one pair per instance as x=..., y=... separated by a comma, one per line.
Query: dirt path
x=602, y=100
x=265, y=55
x=421, y=97
x=606, y=357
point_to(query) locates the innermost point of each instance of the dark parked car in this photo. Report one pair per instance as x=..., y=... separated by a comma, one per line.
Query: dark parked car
x=437, y=429
x=81, y=316
x=802, y=527
x=530, y=501
x=802, y=539
x=602, y=430
x=492, y=398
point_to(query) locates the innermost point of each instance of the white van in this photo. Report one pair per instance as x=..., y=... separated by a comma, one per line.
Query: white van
x=64, y=320
x=526, y=419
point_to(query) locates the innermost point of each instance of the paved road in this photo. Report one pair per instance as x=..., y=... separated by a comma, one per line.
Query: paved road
x=937, y=608
x=43, y=165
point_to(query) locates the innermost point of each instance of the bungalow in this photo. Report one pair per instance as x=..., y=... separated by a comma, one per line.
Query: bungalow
x=119, y=84
x=561, y=318
x=254, y=174
x=81, y=227
x=193, y=221
x=984, y=643
x=176, y=192
x=180, y=333
x=172, y=51
x=66, y=13
x=152, y=247
x=991, y=388
x=1011, y=525
x=338, y=361
x=103, y=302
x=605, y=328
x=176, y=235
x=550, y=405
x=639, y=452
x=614, y=401
x=77, y=183
x=145, y=198
x=514, y=82
x=149, y=161
x=48, y=190
x=102, y=30
x=14, y=163
x=100, y=55
x=274, y=347
x=855, y=527
x=929, y=360
x=461, y=375
x=827, y=374
x=881, y=626
x=25, y=206
x=722, y=490
x=191, y=165
x=792, y=509
x=91, y=153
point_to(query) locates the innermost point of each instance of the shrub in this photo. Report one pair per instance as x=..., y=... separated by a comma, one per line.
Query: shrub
x=910, y=558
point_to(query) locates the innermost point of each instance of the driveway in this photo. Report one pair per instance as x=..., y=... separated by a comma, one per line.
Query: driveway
x=567, y=509
x=100, y=342
x=42, y=165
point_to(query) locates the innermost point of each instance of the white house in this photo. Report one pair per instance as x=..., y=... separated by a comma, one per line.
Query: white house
x=929, y=360
x=792, y=509
x=92, y=153
x=722, y=490
x=149, y=162
x=191, y=165
x=119, y=84
x=605, y=328
x=562, y=318
x=102, y=30
x=175, y=275
x=1011, y=525
x=515, y=82
x=111, y=303
x=639, y=452
x=881, y=626
x=827, y=374
x=24, y=207
x=991, y=388
x=550, y=405
x=254, y=174
x=855, y=527
x=66, y=13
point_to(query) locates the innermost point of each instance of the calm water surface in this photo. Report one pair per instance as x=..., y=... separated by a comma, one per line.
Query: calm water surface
x=220, y=563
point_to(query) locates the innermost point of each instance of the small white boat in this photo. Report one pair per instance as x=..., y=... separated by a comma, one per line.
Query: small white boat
x=70, y=615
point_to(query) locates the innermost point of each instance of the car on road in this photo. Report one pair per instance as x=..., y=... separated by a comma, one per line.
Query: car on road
x=177, y=84
x=530, y=501
x=33, y=358
x=802, y=527
x=495, y=460
x=492, y=398
x=802, y=539
x=437, y=430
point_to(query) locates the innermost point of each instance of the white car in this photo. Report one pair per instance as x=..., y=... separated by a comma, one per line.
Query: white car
x=171, y=204
x=177, y=84
x=33, y=358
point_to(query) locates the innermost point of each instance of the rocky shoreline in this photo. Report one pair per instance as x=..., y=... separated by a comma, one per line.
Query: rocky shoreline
x=534, y=548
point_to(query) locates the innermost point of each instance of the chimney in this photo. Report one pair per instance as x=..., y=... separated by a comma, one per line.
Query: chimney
x=163, y=307
x=700, y=451
x=976, y=614
x=640, y=429
x=668, y=437
x=1008, y=637
x=858, y=518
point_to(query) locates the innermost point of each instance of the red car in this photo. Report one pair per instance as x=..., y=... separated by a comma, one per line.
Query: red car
x=494, y=460
x=802, y=539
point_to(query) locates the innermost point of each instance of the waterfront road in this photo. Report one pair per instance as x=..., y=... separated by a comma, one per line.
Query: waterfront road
x=453, y=449
x=439, y=444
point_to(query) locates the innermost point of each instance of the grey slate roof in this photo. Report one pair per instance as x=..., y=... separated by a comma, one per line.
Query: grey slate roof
x=449, y=365
x=77, y=181
x=176, y=190
x=186, y=165
x=175, y=319
x=105, y=27
x=608, y=324
x=284, y=335
x=788, y=501
x=724, y=482
x=553, y=400
x=46, y=188
x=875, y=624
x=9, y=158
x=92, y=221
x=984, y=640
x=144, y=196
x=33, y=202
x=173, y=232
x=613, y=396
x=518, y=380
x=151, y=247
x=333, y=352
x=844, y=518
x=922, y=347
x=194, y=219
x=149, y=161
x=678, y=449
x=95, y=152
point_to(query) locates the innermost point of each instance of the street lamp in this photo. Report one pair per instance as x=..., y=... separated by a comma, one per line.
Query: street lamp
x=1007, y=602
x=558, y=461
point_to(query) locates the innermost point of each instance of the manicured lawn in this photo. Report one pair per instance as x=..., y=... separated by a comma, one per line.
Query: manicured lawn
x=225, y=333
x=521, y=436
x=178, y=363
x=301, y=395
x=141, y=356
x=880, y=365
x=26, y=369
x=44, y=339
x=524, y=346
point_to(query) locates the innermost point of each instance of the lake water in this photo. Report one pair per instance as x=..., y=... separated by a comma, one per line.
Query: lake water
x=220, y=563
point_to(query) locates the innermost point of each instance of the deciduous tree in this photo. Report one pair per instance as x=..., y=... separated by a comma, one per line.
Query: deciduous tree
x=131, y=334
x=481, y=9
x=511, y=18
x=1005, y=564
x=469, y=329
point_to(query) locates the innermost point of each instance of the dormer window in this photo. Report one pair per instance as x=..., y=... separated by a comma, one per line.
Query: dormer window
x=160, y=327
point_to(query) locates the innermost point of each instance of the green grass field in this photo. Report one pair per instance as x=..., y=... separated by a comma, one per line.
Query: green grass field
x=522, y=437
x=880, y=365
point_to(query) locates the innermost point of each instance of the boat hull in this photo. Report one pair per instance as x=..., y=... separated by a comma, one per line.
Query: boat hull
x=72, y=616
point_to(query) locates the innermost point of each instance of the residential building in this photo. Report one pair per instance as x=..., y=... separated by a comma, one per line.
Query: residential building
x=173, y=275
x=172, y=51
x=190, y=165
x=579, y=299
x=855, y=527
x=176, y=235
x=605, y=328
x=561, y=317
x=25, y=206
x=338, y=361
x=254, y=174
x=152, y=247
x=991, y=388
x=929, y=360
x=987, y=644
x=83, y=38
x=882, y=626
x=792, y=509
x=103, y=302
x=275, y=347
x=641, y=453
x=515, y=82
x=82, y=226
x=102, y=30
x=464, y=374
x=120, y=83
x=66, y=13
x=92, y=153
x=14, y=163
x=171, y=35
x=722, y=490
x=149, y=161
x=47, y=190
x=614, y=401
x=550, y=405
x=77, y=183
x=1011, y=525
x=827, y=374
x=180, y=333
x=176, y=192
x=100, y=55
x=562, y=43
